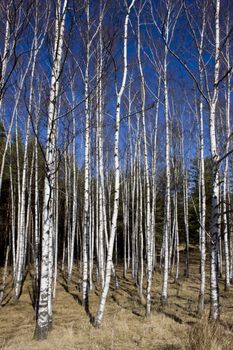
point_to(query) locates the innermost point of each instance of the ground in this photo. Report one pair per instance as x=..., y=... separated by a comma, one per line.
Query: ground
x=125, y=325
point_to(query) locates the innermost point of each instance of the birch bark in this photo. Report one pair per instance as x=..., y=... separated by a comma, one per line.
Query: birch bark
x=44, y=310
x=214, y=286
x=101, y=307
x=167, y=222
x=147, y=179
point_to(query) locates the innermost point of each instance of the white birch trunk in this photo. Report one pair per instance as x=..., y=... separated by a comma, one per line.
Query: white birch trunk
x=44, y=311
x=102, y=200
x=147, y=180
x=36, y=206
x=167, y=222
x=4, y=277
x=214, y=287
x=13, y=216
x=101, y=307
x=74, y=202
x=202, y=199
x=226, y=232
x=86, y=229
x=153, y=207
x=22, y=210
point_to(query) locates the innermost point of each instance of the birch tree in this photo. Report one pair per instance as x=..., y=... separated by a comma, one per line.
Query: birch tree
x=120, y=92
x=214, y=287
x=44, y=310
x=22, y=217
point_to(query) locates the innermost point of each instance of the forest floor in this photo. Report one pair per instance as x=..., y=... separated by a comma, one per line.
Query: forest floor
x=125, y=325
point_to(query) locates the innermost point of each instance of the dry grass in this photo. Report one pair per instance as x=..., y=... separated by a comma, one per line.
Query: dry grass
x=125, y=325
x=212, y=336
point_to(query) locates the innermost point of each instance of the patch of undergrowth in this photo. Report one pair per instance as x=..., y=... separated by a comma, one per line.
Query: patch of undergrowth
x=208, y=335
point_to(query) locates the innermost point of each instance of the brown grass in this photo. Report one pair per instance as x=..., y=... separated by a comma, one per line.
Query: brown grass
x=212, y=336
x=125, y=325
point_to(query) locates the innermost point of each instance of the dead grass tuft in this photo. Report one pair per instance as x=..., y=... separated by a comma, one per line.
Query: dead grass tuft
x=205, y=335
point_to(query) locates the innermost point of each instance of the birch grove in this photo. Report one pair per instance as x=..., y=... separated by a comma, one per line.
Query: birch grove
x=114, y=116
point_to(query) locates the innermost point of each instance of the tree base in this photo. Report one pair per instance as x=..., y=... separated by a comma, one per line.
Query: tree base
x=214, y=315
x=148, y=313
x=201, y=305
x=15, y=299
x=96, y=323
x=41, y=333
x=163, y=301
